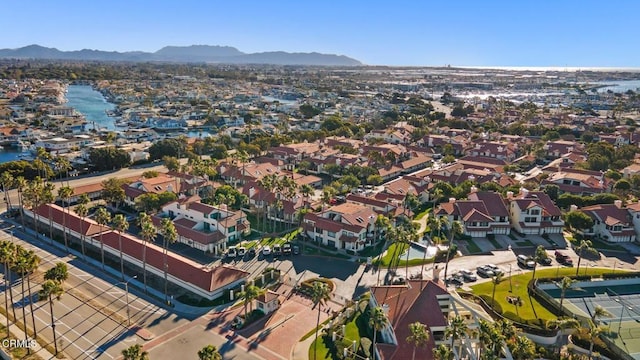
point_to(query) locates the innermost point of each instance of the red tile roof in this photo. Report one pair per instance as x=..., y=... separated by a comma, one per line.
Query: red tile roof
x=71, y=219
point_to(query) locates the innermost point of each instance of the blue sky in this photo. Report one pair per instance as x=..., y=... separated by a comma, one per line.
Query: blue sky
x=563, y=33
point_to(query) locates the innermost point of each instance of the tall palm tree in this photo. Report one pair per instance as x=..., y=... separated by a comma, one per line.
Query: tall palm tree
x=386, y=225
x=21, y=266
x=103, y=218
x=64, y=193
x=135, y=352
x=82, y=211
x=52, y=290
x=540, y=255
x=320, y=294
x=250, y=293
x=33, y=261
x=31, y=197
x=378, y=321
x=7, y=257
x=120, y=224
x=497, y=279
x=585, y=245
x=419, y=336
x=599, y=312
x=147, y=234
x=21, y=184
x=170, y=236
x=59, y=273
x=411, y=236
x=306, y=190
x=6, y=181
x=454, y=230
x=442, y=352
x=49, y=198
x=457, y=328
x=594, y=332
x=209, y=352
x=565, y=284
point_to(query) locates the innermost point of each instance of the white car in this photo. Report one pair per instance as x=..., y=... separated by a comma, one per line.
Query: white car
x=241, y=251
x=496, y=270
x=468, y=275
x=266, y=250
x=232, y=252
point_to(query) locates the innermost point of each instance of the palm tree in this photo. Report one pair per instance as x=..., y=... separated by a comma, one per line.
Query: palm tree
x=64, y=193
x=120, y=224
x=147, y=234
x=6, y=181
x=320, y=294
x=411, y=236
x=382, y=223
x=419, y=336
x=594, y=333
x=21, y=183
x=456, y=329
x=540, y=255
x=562, y=324
x=442, y=352
x=497, y=279
x=209, y=352
x=306, y=190
x=7, y=257
x=135, y=352
x=455, y=229
x=82, y=211
x=21, y=267
x=585, y=245
x=50, y=290
x=31, y=200
x=59, y=273
x=565, y=284
x=103, y=217
x=522, y=348
x=250, y=293
x=33, y=261
x=170, y=236
x=599, y=312
x=378, y=321
x=49, y=198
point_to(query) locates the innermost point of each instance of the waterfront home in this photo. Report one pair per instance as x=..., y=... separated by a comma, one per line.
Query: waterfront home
x=58, y=145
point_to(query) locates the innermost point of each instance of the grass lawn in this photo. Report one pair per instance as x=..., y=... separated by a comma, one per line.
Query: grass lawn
x=308, y=250
x=603, y=245
x=373, y=251
x=394, y=251
x=531, y=311
x=355, y=329
x=472, y=247
x=495, y=243
x=524, y=242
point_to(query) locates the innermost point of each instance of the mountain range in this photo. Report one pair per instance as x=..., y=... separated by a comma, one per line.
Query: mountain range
x=183, y=54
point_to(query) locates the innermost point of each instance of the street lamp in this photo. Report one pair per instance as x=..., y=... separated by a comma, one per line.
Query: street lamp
x=126, y=294
x=629, y=308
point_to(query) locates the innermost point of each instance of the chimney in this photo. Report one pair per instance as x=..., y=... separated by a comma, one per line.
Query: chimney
x=252, y=191
x=452, y=200
x=509, y=195
x=573, y=207
x=473, y=189
x=618, y=204
x=524, y=192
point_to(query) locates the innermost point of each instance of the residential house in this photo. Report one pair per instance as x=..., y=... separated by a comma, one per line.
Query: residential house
x=484, y=213
x=578, y=181
x=611, y=222
x=159, y=184
x=533, y=212
x=346, y=226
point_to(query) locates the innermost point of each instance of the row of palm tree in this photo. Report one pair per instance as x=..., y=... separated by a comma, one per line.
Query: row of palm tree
x=52, y=289
x=137, y=352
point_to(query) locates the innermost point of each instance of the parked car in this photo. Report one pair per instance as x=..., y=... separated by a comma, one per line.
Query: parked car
x=485, y=271
x=266, y=250
x=563, y=258
x=286, y=248
x=296, y=250
x=545, y=261
x=242, y=251
x=496, y=270
x=277, y=250
x=455, y=280
x=252, y=252
x=468, y=275
x=526, y=261
x=232, y=252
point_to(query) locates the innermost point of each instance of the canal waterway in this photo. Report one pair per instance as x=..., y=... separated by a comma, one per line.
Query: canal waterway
x=92, y=105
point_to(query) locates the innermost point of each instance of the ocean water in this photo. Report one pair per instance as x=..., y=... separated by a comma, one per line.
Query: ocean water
x=9, y=154
x=92, y=105
x=620, y=86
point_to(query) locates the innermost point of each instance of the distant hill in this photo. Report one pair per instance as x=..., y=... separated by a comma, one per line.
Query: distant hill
x=193, y=53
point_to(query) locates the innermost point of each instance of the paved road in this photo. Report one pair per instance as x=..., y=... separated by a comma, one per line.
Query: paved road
x=91, y=316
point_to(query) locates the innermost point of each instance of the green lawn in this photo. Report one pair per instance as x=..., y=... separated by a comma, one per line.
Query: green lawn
x=373, y=251
x=355, y=329
x=495, y=243
x=603, y=245
x=472, y=247
x=394, y=251
x=531, y=311
x=308, y=250
x=524, y=242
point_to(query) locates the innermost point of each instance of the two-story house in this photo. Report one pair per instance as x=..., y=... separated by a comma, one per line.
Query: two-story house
x=206, y=227
x=533, y=212
x=483, y=214
x=611, y=222
x=346, y=226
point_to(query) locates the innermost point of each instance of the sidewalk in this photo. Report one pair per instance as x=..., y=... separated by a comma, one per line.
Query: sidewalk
x=301, y=350
x=17, y=333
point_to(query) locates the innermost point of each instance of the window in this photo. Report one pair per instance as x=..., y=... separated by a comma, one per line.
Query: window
x=331, y=234
x=484, y=223
x=215, y=215
x=529, y=219
x=535, y=211
x=207, y=226
x=231, y=229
